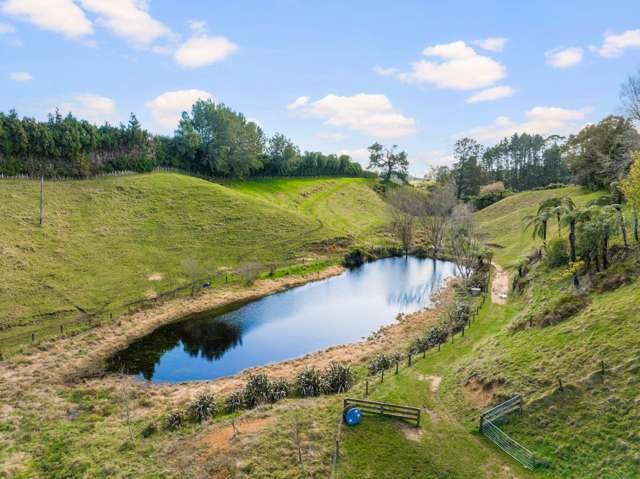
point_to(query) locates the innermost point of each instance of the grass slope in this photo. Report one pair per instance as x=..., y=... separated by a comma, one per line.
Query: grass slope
x=342, y=205
x=502, y=222
x=104, y=239
x=586, y=430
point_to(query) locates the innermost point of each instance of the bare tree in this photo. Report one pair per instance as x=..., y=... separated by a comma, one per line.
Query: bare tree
x=436, y=215
x=249, y=272
x=195, y=272
x=463, y=240
x=630, y=96
x=407, y=204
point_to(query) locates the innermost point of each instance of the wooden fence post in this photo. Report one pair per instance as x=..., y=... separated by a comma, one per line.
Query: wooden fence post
x=560, y=384
x=382, y=376
x=397, y=365
x=409, y=360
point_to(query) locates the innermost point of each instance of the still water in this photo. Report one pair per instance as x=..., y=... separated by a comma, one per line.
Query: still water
x=286, y=325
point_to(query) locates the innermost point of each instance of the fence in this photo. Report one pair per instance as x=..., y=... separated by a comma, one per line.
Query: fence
x=408, y=413
x=69, y=178
x=489, y=429
x=83, y=320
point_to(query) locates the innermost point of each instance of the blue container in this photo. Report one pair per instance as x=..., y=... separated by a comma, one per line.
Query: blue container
x=352, y=416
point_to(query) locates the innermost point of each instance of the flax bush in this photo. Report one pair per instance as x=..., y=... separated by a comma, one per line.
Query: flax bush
x=309, y=382
x=202, y=408
x=337, y=378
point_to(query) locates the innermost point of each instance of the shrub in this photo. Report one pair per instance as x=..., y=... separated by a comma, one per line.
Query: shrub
x=557, y=253
x=379, y=363
x=149, y=430
x=233, y=402
x=257, y=390
x=436, y=335
x=337, y=378
x=356, y=257
x=309, y=382
x=419, y=345
x=202, y=408
x=174, y=420
x=279, y=390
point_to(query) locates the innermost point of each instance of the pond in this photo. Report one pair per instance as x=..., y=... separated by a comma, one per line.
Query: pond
x=286, y=325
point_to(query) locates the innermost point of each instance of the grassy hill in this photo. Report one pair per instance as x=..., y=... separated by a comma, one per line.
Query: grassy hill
x=112, y=240
x=586, y=429
x=502, y=221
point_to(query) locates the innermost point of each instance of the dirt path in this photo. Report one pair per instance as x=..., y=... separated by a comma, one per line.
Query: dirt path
x=500, y=285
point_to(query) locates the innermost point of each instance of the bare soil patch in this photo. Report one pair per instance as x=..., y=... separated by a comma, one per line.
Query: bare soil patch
x=434, y=380
x=155, y=277
x=478, y=394
x=412, y=433
x=221, y=438
x=500, y=285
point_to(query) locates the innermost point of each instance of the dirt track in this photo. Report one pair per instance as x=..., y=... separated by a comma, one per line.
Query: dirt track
x=500, y=286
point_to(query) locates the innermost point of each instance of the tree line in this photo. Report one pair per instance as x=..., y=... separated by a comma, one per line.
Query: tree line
x=212, y=140
x=597, y=156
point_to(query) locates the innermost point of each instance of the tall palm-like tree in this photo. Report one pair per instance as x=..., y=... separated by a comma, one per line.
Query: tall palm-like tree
x=552, y=205
x=539, y=222
x=570, y=216
x=616, y=209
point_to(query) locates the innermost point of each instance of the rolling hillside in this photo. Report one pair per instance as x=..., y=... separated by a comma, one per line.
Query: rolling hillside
x=113, y=240
x=502, y=222
x=587, y=429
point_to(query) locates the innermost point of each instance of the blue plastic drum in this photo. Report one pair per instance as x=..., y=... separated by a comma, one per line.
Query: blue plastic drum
x=352, y=416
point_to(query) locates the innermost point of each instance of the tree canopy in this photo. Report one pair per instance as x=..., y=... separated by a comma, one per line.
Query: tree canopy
x=211, y=139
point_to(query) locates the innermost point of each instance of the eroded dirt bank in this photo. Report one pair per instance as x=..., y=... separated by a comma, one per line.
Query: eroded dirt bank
x=81, y=357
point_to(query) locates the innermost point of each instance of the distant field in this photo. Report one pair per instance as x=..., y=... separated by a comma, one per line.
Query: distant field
x=117, y=239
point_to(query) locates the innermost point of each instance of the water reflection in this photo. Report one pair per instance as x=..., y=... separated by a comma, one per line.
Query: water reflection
x=290, y=324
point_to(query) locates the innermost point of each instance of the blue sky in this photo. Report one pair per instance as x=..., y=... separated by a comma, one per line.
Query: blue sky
x=334, y=76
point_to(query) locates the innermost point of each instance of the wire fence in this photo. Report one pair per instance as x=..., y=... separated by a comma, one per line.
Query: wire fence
x=69, y=178
x=490, y=429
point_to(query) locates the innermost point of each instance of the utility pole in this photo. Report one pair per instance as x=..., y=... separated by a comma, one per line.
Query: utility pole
x=42, y=200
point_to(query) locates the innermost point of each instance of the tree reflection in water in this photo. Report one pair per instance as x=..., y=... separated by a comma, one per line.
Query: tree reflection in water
x=206, y=335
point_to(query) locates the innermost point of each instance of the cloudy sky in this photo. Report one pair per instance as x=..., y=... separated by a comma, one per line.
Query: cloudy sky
x=333, y=75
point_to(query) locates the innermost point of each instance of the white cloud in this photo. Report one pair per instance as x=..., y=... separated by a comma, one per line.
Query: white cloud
x=167, y=108
x=371, y=115
x=543, y=120
x=493, y=44
x=60, y=16
x=386, y=72
x=491, y=94
x=461, y=68
x=95, y=108
x=198, y=27
x=6, y=28
x=298, y=102
x=202, y=50
x=20, y=76
x=614, y=44
x=128, y=19
x=564, y=57
x=361, y=155
x=331, y=136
